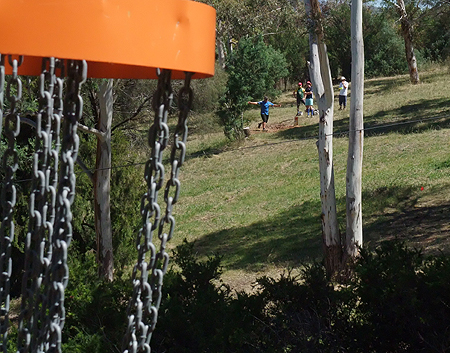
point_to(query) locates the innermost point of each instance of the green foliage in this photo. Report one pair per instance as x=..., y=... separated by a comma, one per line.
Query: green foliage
x=208, y=92
x=433, y=33
x=398, y=300
x=194, y=310
x=337, y=29
x=384, y=52
x=95, y=310
x=404, y=299
x=253, y=70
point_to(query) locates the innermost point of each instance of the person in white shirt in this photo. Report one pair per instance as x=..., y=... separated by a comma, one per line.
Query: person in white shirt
x=343, y=89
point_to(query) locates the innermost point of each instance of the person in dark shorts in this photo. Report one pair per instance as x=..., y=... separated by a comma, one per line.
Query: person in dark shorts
x=300, y=95
x=264, y=104
x=343, y=90
x=309, y=99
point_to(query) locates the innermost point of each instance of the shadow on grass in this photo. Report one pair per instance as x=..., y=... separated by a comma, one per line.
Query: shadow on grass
x=289, y=237
x=426, y=228
x=379, y=86
x=412, y=111
x=409, y=119
x=294, y=237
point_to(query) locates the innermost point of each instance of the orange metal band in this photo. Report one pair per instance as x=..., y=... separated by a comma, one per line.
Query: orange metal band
x=118, y=38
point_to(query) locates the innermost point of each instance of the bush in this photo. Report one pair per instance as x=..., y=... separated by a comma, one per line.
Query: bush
x=398, y=301
x=253, y=69
x=95, y=309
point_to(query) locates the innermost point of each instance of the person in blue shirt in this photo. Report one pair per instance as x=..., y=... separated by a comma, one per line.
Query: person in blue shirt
x=264, y=104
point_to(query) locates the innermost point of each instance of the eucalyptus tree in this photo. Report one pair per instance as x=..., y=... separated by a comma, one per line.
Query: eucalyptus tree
x=323, y=90
x=354, y=230
x=408, y=12
x=338, y=251
x=126, y=101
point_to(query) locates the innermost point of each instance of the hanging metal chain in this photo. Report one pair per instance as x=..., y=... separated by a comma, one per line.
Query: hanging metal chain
x=8, y=193
x=42, y=202
x=57, y=276
x=146, y=299
x=2, y=85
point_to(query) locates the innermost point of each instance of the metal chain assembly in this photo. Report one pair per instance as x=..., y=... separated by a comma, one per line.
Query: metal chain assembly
x=49, y=232
x=152, y=264
x=8, y=193
x=38, y=251
x=57, y=276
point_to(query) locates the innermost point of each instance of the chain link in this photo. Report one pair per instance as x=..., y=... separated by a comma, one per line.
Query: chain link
x=8, y=193
x=145, y=302
x=52, y=312
x=50, y=231
x=42, y=202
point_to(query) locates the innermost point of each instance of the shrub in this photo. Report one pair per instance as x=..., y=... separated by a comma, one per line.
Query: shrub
x=253, y=69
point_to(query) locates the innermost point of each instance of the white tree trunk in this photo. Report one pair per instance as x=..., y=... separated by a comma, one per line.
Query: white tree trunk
x=323, y=90
x=407, y=32
x=220, y=50
x=354, y=234
x=102, y=183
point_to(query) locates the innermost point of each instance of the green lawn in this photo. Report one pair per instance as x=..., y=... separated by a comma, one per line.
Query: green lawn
x=257, y=203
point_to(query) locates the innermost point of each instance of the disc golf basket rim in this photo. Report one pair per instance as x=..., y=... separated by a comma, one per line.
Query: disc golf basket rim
x=117, y=38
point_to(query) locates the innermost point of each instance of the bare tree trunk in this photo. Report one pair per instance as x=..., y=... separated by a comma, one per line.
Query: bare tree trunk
x=323, y=89
x=354, y=235
x=220, y=50
x=407, y=32
x=102, y=183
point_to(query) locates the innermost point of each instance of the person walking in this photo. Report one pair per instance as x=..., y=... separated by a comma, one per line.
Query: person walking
x=309, y=99
x=343, y=89
x=264, y=104
x=300, y=94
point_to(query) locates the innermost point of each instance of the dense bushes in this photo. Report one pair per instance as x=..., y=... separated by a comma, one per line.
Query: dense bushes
x=398, y=300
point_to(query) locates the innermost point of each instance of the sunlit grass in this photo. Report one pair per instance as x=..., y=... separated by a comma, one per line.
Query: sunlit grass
x=258, y=203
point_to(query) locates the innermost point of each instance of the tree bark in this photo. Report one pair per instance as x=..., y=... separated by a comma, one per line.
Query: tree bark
x=102, y=183
x=220, y=50
x=323, y=89
x=407, y=32
x=354, y=233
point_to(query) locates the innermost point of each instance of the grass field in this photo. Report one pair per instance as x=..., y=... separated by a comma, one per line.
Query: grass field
x=257, y=203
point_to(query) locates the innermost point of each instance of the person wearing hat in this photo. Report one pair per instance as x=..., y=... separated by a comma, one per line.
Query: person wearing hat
x=309, y=98
x=343, y=89
x=300, y=94
x=264, y=104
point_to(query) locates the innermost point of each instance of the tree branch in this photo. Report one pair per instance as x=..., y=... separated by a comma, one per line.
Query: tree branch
x=135, y=114
x=91, y=130
x=79, y=161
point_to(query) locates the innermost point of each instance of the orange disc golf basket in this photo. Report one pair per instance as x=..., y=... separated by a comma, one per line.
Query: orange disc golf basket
x=64, y=42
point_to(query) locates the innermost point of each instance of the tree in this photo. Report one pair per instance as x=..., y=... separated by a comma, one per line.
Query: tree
x=354, y=235
x=384, y=53
x=323, y=89
x=337, y=36
x=253, y=70
x=102, y=183
x=408, y=13
x=279, y=22
x=433, y=34
x=129, y=98
x=407, y=32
